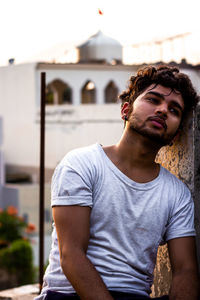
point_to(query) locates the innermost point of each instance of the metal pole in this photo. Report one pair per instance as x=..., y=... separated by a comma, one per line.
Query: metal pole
x=42, y=177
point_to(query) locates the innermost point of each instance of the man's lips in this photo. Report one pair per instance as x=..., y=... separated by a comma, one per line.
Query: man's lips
x=158, y=122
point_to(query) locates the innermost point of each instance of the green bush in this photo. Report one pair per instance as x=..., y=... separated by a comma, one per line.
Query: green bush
x=11, y=226
x=18, y=259
x=16, y=255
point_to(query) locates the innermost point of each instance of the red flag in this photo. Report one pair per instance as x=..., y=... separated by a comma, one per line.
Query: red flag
x=100, y=12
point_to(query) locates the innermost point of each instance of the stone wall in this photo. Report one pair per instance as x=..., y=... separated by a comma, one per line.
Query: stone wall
x=181, y=159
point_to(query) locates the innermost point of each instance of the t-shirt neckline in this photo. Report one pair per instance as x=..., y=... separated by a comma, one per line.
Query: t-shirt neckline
x=124, y=177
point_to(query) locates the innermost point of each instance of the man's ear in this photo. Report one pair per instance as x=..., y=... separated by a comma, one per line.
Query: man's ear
x=124, y=110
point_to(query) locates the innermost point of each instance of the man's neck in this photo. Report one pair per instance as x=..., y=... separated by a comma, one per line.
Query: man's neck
x=135, y=156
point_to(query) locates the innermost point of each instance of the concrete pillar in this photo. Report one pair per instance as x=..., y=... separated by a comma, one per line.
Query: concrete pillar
x=182, y=159
x=76, y=95
x=100, y=94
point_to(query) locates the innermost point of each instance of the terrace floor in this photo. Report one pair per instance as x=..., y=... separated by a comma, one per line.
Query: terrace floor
x=26, y=292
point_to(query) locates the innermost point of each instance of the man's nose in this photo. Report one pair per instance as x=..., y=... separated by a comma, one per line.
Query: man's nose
x=162, y=110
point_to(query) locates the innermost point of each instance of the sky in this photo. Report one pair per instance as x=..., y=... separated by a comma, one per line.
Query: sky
x=29, y=28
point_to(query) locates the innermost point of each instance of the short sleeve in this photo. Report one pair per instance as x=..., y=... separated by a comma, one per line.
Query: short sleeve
x=70, y=186
x=181, y=222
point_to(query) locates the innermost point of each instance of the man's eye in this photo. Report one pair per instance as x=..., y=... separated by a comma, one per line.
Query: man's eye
x=174, y=111
x=154, y=100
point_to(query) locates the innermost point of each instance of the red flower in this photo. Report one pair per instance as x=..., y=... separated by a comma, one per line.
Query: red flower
x=12, y=211
x=30, y=228
x=3, y=243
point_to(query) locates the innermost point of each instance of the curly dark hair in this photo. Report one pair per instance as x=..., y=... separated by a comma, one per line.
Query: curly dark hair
x=166, y=76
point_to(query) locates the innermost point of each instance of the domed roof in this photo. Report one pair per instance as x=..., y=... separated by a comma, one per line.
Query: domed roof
x=100, y=47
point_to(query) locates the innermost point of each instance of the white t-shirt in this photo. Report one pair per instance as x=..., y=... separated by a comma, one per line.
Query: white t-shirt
x=129, y=220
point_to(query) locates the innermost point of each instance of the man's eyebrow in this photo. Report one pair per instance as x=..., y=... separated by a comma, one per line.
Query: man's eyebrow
x=156, y=94
x=175, y=103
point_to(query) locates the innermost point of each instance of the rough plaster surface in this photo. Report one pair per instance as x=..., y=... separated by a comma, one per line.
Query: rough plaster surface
x=162, y=273
x=179, y=160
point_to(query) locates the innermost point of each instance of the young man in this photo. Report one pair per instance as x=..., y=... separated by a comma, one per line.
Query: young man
x=113, y=206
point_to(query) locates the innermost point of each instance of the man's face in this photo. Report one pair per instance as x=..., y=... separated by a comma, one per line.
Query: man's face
x=157, y=113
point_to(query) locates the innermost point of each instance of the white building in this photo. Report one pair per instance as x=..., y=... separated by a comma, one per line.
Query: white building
x=8, y=194
x=81, y=108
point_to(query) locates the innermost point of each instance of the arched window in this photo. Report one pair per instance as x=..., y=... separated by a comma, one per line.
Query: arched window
x=88, y=93
x=58, y=92
x=111, y=93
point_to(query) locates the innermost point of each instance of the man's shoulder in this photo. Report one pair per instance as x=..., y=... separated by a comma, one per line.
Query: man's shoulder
x=173, y=181
x=84, y=161
x=81, y=155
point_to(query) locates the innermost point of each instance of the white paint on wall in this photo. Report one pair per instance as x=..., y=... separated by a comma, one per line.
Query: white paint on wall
x=67, y=126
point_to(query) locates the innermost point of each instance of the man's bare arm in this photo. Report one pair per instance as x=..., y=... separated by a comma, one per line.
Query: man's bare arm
x=185, y=279
x=73, y=228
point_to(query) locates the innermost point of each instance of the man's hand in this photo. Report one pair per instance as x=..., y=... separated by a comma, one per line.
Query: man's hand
x=185, y=280
x=73, y=230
